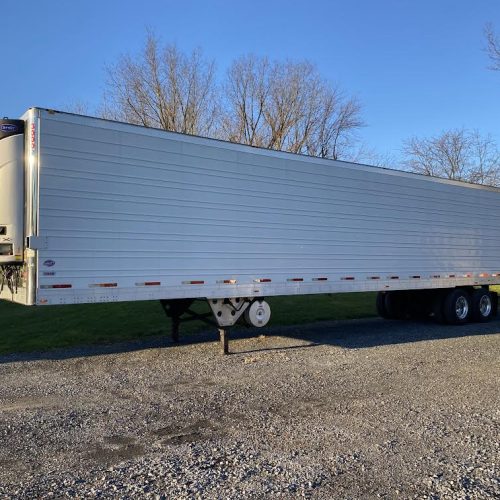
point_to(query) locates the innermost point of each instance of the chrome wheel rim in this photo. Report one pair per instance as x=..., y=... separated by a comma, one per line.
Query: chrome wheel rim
x=485, y=306
x=462, y=308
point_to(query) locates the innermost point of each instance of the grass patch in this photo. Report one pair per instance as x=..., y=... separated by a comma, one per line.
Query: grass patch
x=43, y=328
x=292, y=310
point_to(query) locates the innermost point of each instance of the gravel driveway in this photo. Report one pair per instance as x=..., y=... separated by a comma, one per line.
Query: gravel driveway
x=351, y=409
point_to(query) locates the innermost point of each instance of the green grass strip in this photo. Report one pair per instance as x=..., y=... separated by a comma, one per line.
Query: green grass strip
x=25, y=329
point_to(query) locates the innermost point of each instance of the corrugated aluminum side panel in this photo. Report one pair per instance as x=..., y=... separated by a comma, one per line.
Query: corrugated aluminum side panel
x=125, y=205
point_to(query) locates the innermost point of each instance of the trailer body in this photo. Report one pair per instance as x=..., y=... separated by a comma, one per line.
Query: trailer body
x=99, y=211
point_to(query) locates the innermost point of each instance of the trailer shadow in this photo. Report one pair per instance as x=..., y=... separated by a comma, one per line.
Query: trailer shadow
x=373, y=332
x=348, y=334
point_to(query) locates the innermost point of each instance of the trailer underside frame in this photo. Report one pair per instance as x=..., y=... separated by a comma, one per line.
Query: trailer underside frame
x=454, y=306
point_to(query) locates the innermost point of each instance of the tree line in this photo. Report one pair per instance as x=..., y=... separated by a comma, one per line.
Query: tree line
x=459, y=154
x=282, y=105
x=271, y=104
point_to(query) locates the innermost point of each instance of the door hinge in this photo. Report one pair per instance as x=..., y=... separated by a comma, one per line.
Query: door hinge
x=37, y=243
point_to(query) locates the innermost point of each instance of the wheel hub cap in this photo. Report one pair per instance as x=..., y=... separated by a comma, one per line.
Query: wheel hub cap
x=462, y=308
x=485, y=306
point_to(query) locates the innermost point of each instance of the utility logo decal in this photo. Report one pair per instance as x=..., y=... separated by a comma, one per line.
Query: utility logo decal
x=49, y=263
x=8, y=127
x=33, y=138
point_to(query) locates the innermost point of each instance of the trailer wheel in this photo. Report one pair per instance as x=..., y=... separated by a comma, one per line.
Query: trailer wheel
x=438, y=305
x=482, y=305
x=380, y=305
x=419, y=304
x=395, y=305
x=457, y=307
x=258, y=313
x=494, y=298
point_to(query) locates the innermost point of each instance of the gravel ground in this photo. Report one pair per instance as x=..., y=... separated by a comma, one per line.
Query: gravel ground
x=351, y=409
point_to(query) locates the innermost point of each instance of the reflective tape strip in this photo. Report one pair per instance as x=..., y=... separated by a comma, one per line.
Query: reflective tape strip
x=57, y=286
x=103, y=285
x=320, y=279
x=227, y=282
x=295, y=279
x=149, y=283
x=193, y=282
x=348, y=278
x=263, y=280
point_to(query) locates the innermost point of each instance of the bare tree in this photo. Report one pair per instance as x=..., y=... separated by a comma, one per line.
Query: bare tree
x=287, y=106
x=279, y=105
x=78, y=107
x=247, y=92
x=492, y=47
x=455, y=154
x=163, y=88
x=486, y=163
x=335, y=136
x=360, y=152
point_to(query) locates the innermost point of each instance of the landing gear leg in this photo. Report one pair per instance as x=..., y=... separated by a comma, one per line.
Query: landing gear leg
x=224, y=313
x=224, y=340
x=174, y=309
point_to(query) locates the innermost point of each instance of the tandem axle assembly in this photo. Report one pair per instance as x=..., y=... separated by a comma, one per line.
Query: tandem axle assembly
x=224, y=314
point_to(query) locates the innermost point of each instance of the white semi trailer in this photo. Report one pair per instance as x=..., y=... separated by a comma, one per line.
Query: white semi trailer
x=93, y=210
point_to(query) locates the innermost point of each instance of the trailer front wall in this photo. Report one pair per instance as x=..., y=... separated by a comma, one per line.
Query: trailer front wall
x=130, y=213
x=12, y=211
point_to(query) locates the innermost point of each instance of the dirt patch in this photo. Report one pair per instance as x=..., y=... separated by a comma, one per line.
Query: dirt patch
x=108, y=455
x=29, y=403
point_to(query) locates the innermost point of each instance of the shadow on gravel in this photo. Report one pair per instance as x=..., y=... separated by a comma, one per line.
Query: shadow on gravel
x=277, y=348
x=349, y=334
x=359, y=334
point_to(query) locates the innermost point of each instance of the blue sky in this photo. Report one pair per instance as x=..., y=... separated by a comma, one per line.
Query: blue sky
x=417, y=67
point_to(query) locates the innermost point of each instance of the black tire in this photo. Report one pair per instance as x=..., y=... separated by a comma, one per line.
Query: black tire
x=457, y=307
x=438, y=306
x=380, y=305
x=483, y=305
x=494, y=296
x=395, y=305
x=419, y=304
